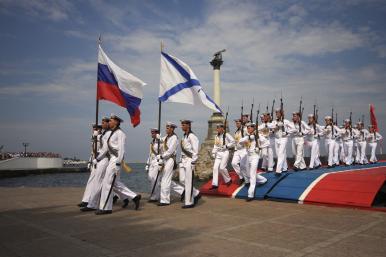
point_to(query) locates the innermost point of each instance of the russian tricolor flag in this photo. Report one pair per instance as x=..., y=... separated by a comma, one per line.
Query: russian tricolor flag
x=118, y=86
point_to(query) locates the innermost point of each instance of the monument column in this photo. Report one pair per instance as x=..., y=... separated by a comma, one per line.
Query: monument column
x=205, y=163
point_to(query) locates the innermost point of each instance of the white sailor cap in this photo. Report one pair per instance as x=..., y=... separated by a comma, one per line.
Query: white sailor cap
x=359, y=123
x=220, y=125
x=115, y=117
x=154, y=130
x=251, y=124
x=296, y=113
x=106, y=119
x=328, y=117
x=347, y=121
x=186, y=121
x=237, y=120
x=310, y=115
x=371, y=126
x=171, y=124
x=277, y=110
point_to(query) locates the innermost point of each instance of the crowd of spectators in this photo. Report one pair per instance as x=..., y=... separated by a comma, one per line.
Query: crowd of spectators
x=9, y=155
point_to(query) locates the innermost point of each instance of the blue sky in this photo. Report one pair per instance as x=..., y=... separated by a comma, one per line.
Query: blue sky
x=329, y=52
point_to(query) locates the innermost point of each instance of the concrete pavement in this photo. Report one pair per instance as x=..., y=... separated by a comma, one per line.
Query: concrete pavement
x=46, y=222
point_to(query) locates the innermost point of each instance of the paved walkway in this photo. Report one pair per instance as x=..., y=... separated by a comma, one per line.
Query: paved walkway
x=46, y=222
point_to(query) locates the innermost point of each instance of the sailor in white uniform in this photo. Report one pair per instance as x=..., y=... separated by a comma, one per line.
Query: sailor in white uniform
x=347, y=136
x=253, y=155
x=115, y=148
x=167, y=162
x=239, y=160
x=329, y=134
x=298, y=129
x=152, y=167
x=280, y=127
x=373, y=138
x=189, y=156
x=266, y=132
x=312, y=141
x=361, y=135
x=222, y=143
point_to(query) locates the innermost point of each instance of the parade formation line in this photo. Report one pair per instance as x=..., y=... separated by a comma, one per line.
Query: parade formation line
x=346, y=186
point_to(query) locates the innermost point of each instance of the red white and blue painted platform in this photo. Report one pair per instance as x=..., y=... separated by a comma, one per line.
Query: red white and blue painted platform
x=351, y=186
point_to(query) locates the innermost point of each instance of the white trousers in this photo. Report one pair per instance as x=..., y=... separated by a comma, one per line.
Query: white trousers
x=220, y=166
x=315, y=154
x=338, y=153
x=118, y=186
x=267, y=156
x=152, y=176
x=361, y=152
x=348, y=150
x=239, y=163
x=281, y=152
x=330, y=146
x=373, y=148
x=186, y=178
x=89, y=185
x=167, y=184
x=97, y=185
x=298, y=151
x=252, y=163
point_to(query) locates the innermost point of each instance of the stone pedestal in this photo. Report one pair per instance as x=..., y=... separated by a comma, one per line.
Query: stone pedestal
x=205, y=163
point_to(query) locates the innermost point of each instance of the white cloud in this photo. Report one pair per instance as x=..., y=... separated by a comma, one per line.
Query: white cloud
x=55, y=10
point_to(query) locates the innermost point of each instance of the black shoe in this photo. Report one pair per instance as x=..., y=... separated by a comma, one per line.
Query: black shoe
x=152, y=201
x=83, y=204
x=277, y=174
x=296, y=169
x=229, y=183
x=84, y=209
x=317, y=167
x=249, y=199
x=125, y=203
x=196, y=198
x=188, y=206
x=241, y=181
x=330, y=167
x=102, y=212
x=182, y=196
x=136, y=201
x=213, y=188
x=247, y=184
x=163, y=204
x=115, y=199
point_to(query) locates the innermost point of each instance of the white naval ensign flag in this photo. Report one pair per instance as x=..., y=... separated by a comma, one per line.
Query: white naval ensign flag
x=179, y=84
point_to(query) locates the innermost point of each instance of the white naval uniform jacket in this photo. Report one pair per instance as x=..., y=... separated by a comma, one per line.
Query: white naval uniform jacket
x=190, y=143
x=294, y=129
x=361, y=135
x=265, y=132
x=280, y=128
x=330, y=131
x=250, y=143
x=169, y=146
x=237, y=138
x=220, y=145
x=153, y=152
x=374, y=137
x=115, y=140
x=314, y=132
x=346, y=134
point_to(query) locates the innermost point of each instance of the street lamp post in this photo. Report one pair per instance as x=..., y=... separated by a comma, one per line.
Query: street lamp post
x=25, y=148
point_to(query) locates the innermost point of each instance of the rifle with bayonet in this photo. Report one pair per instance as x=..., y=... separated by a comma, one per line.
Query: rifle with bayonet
x=282, y=111
x=251, y=117
x=241, y=118
x=225, y=127
x=273, y=106
x=300, y=114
